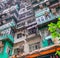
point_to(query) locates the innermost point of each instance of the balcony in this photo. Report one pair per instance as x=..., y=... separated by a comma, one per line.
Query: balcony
x=25, y=15
x=7, y=37
x=32, y=32
x=16, y=40
x=8, y=25
x=9, y=15
x=47, y=41
x=31, y=36
x=27, y=23
x=42, y=19
x=41, y=12
x=31, y=22
x=37, y=2
x=10, y=9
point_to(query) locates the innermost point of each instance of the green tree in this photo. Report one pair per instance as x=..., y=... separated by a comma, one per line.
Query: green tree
x=54, y=28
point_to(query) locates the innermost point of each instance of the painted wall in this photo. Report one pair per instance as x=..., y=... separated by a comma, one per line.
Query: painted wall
x=4, y=53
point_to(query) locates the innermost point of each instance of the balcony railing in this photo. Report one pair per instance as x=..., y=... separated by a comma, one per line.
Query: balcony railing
x=10, y=15
x=10, y=9
x=35, y=3
x=7, y=37
x=19, y=39
x=41, y=20
x=41, y=12
x=8, y=25
x=26, y=15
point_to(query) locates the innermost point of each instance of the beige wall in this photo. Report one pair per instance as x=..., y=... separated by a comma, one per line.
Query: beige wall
x=26, y=43
x=34, y=40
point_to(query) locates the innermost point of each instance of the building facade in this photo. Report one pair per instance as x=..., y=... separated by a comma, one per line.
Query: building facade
x=24, y=28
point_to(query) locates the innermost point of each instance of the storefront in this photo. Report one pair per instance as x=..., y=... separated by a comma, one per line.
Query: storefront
x=49, y=56
x=45, y=53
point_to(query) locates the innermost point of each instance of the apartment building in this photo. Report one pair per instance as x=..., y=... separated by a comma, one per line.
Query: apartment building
x=24, y=28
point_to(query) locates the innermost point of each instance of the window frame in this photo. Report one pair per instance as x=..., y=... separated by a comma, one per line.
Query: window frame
x=34, y=45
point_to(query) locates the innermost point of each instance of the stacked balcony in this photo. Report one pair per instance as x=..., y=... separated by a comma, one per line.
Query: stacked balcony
x=47, y=41
x=7, y=24
x=46, y=15
x=26, y=34
x=26, y=23
x=36, y=3
x=25, y=11
x=41, y=20
x=41, y=7
x=7, y=37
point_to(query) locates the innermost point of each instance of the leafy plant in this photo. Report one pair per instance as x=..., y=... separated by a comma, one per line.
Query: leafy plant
x=54, y=28
x=57, y=53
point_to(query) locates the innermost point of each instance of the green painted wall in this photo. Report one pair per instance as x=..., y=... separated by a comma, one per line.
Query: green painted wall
x=4, y=53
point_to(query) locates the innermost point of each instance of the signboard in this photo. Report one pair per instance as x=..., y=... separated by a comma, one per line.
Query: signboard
x=40, y=19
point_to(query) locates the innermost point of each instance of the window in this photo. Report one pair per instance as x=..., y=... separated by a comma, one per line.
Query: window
x=29, y=13
x=12, y=32
x=44, y=32
x=22, y=6
x=29, y=7
x=20, y=35
x=9, y=51
x=50, y=42
x=22, y=16
x=21, y=24
x=30, y=21
x=32, y=31
x=19, y=50
x=34, y=46
x=42, y=18
x=16, y=50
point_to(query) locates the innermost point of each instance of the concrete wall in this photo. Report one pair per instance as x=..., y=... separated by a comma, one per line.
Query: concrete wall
x=26, y=43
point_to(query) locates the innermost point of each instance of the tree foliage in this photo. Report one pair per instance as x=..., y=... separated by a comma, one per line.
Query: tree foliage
x=54, y=28
x=57, y=53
